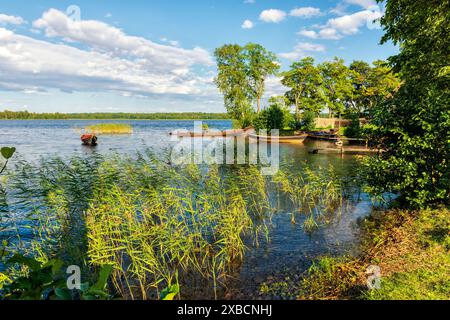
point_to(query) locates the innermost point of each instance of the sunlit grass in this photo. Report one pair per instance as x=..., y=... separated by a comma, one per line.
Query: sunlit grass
x=110, y=128
x=158, y=225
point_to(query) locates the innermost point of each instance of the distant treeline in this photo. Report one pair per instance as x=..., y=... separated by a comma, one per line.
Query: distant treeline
x=24, y=115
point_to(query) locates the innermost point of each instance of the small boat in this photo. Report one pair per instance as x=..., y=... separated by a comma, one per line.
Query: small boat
x=280, y=139
x=323, y=135
x=209, y=133
x=89, y=139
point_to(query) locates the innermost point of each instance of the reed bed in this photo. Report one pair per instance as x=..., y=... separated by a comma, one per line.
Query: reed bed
x=109, y=128
x=316, y=194
x=158, y=225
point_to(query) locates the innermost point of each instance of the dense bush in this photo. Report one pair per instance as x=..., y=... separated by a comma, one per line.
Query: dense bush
x=354, y=130
x=413, y=127
x=308, y=121
x=269, y=119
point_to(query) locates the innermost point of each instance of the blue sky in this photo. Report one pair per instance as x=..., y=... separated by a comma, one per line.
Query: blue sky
x=157, y=56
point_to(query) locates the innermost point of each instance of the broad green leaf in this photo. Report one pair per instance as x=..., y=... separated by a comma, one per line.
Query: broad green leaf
x=170, y=292
x=103, y=276
x=63, y=293
x=7, y=152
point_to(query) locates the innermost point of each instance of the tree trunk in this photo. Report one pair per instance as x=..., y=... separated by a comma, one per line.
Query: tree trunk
x=258, y=102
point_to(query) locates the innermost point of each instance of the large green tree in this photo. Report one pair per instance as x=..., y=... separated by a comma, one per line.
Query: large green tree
x=413, y=127
x=241, y=77
x=232, y=80
x=337, y=84
x=304, y=81
x=360, y=75
x=261, y=64
x=371, y=85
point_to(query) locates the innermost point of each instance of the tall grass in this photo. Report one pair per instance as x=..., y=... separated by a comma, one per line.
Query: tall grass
x=158, y=225
x=110, y=128
x=317, y=194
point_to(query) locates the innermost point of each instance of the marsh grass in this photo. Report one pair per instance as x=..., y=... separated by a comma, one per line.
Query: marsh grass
x=316, y=194
x=158, y=225
x=109, y=128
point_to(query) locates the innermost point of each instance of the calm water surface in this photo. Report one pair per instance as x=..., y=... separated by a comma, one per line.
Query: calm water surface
x=290, y=249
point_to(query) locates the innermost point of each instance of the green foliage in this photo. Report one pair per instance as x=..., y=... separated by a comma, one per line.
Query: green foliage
x=354, y=130
x=261, y=64
x=6, y=153
x=153, y=226
x=315, y=195
x=25, y=115
x=269, y=119
x=427, y=276
x=305, y=86
x=38, y=281
x=170, y=292
x=371, y=85
x=413, y=127
x=308, y=121
x=110, y=128
x=337, y=84
x=242, y=72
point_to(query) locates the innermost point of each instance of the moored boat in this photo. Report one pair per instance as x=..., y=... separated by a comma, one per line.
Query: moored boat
x=209, y=133
x=280, y=139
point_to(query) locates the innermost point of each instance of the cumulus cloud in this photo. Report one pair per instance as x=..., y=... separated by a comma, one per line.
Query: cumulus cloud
x=272, y=15
x=248, y=24
x=305, y=12
x=274, y=87
x=366, y=4
x=301, y=50
x=106, y=38
x=107, y=60
x=6, y=19
x=337, y=28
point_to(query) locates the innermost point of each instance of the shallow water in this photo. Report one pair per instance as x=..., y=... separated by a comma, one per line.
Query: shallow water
x=290, y=249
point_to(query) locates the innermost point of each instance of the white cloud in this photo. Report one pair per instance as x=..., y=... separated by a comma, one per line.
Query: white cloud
x=106, y=38
x=308, y=33
x=6, y=19
x=248, y=24
x=274, y=87
x=305, y=12
x=329, y=34
x=301, y=50
x=272, y=16
x=350, y=24
x=108, y=60
x=366, y=4
x=337, y=28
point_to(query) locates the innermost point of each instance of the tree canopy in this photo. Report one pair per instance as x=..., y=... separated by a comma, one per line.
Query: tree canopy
x=304, y=81
x=413, y=126
x=242, y=72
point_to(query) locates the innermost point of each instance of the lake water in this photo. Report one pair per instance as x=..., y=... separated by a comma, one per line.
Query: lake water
x=290, y=250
